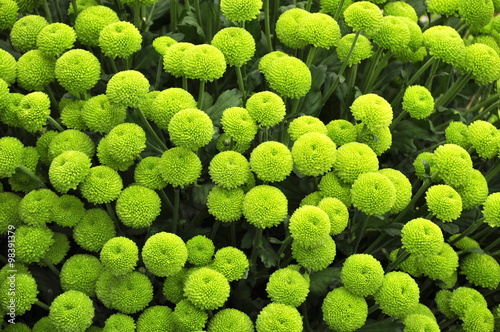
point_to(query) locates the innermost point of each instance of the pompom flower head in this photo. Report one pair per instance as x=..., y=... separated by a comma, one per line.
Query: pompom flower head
x=100, y=115
x=188, y=317
x=417, y=322
x=454, y=164
x=444, y=43
x=491, y=210
x=237, y=45
x=102, y=185
x=287, y=28
x=9, y=214
x=156, y=318
x=127, y=88
x=237, y=123
x=337, y=213
x=229, y=169
x=315, y=258
x=71, y=114
x=363, y=49
x=204, y=62
x=289, y=76
x=393, y=34
x=68, y=170
x=71, y=140
x=364, y=16
x=421, y=237
x=89, y=23
x=32, y=243
x=305, y=124
x=167, y=103
x=119, y=255
x=476, y=13
x=162, y=43
x=200, y=250
x=267, y=59
x=55, y=38
x=418, y=101
x=271, y=161
x=456, y=133
x=313, y=154
x=277, y=317
x=344, y=311
x=138, y=206
x=372, y=110
x=24, y=296
x=77, y=71
x=354, y=159
x=180, y=167
x=287, y=286
x=319, y=30
x=72, y=310
x=120, y=322
x=482, y=62
x=440, y=265
x=225, y=204
x=25, y=31
x=68, y=211
x=164, y=254
x=446, y=7
x=484, y=137
x=240, y=10
x=34, y=109
x=120, y=40
x=481, y=269
x=94, y=230
x=309, y=225
x=206, y=288
x=191, y=128
x=362, y=274
x=403, y=188
x=11, y=154
x=231, y=262
x=230, y=319
x=265, y=206
x=465, y=298
x=35, y=70
x=398, y=295
x=80, y=272
x=266, y=108
x=8, y=16
x=373, y=193
x=8, y=65
x=400, y=8
x=173, y=57
x=147, y=173
x=444, y=202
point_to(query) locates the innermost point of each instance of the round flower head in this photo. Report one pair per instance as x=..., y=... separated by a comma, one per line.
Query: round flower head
x=419, y=322
x=35, y=209
x=354, y=159
x=173, y=58
x=58, y=250
x=56, y=38
x=8, y=64
x=481, y=270
x=271, y=161
x=331, y=6
x=487, y=40
x=225, y=204
x=266, y=60
x=229, y=169
x=363, y=49
x=445, y=43
x=169, y=102
x=331, y=185
x=443, y=302
x=25, y=31
x=72, y=310
x=138, y=206
x=373, y=193
x=446, y=7
x=311, y=199
x=119, y=255
x=478, y=318
x=231, y=262
x=129, y=293
x=364, y=16
x=315, y=258
x=200, y=250
x=9, y=113
x=102, y=185
x=91, y=21
x=277, y=317
x=309, y=225
x=398, y=295
x=465, y=298
x=337, y=213
x=483, y=62
x=265, y=206
x=418, y=101
x=8, y=16
x=237, y=45
x=491, y=210
x=180, y=167
x=362, y=274
x=421, y=237
x=230, y=319
x=344, y=311
x=11, y=154
x=206, y=288
x=80, y=272
x=400, y=8
x=191, y=129
x=42, y=146
x=403, y=188
x=456, y=133
x=237, y=122
x=4, y=94
x=156, y=318
x=288, y=28
x=127, y=88
x=164, y=254
x=420, y=168
x=100, y=115
x=313, y=154
x=372, y=110
x=266, y=108
x=287, y=286
x=319, y=30
x=120, y=39
x=289, y=77
x=23, y=296
x=440, y=265
x=34, y=110
x=188, y=317
x=476, y=13
x=416, y=38
x=146, y=105
x=17, y=327
x=162, y=43
x=71, y=140
x=454, y=164
x=147, y=173
x=379, y=140
x=204, y=62
x=305, y=124
x=9, y=214
x=464, y=243
x=240, y=10
x=119, y=322
x=484, y=137
x=35, y=70
x=173, y=287
x=77, y=71
x=94, y=230
x=81, y=5
x=444, y=202
x=71, y=113
x=393, y=33
x=68, y=170
x=122, y=145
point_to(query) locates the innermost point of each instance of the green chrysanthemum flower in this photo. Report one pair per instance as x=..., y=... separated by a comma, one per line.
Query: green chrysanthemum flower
x=319, y=30
x=119, y=255
x=35, y=209
x=288, y=26
x=331, y=6
x=315, y=258
x=8, y=64
x=80, y=272
x=444, y=202
x=9, y=113
x=379, y=140
x=313, y=154
x=81, y=5
x=173, y=287
x=231, y=262
x=94, y=230
x=56, y=38
x=400, y=8
x=119, y=322
x=180, y=167
x=164, y=254
x=78, y=71
x=364, y=16
x=309, y=225
x=21, y=181
x=35, y=70
x=9, y=214
x=240, y=10
x=187, y=317
x=68, y=170
x=363, y=49
x=11, y=154
x=24, y=294
x=464, y=243
x=70, y=140
x=146, y=105
x=445, y=43
x=481, y=270
x=138, y=206
x=305, y=124
x=147, y=173
x=465, y=298
x=344, y=311
x=32, y=243
x=362, y=274
x=167, y=103
x=443, y=303
x=34, y=110
x=373, y=193
x=225, y=204
x=17, y=327
x=393, y=34
x=445, y=7
x=421, y=237
x=478, y=319
x=491, y=210
x=72, y=311
x=337, y=213
x=127, y=88
x=483, y=62
x=398, y=295
x=287, y=286
x=42, y=146
x=341, y=132
x=277, y=317
x=206, y=288
x=173, y=58
x=289, y=76
x=162, y=43
x=418, y=101
x=372, y=110
x=456, y=133
x=200, y=250
x=331, y=185
x=102, y=185
x=228, y=320
x=266, y=108
x=229, y=169
x=417, y=322
x=4, y=94
x=203, y=62
x=484, y=137
x=403, y=188
x=100, y=115
x=266, y=60
x=265, y=206
x=191, y=129
x=271, y=161
x=312, y=199
x=440, y=265
x=237, y=45
x=25, y=31
x=71, y=113
x=237, y=123
x=57, y=250
x=8, y=16
x=120, y=40
x=487, y=40
x=68, y=210
x=156, y=318
x=476, y=13
x=420, y=168
x=91, y=21
x=454, y=164
x=226, y=143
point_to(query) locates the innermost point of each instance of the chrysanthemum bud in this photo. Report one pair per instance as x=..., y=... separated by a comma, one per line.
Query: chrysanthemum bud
x=393, y=33
x=68, y=170
x=191, y=129
x=332, y=186
x=289, y=76
x=362, y=274
x=162, y=43
x=237, y=45
x=119, y=255
x=344, y=311
x=315, y=258
x=319, y=30
x=80, y=272
x=102, y=185
x=481, y=270
x=287, y=28
x=230, y=320
x=78, y=71
x=100, y=115
x=34, y=110
x=454, y=164
x=25, y=31
x=56, y=38
x=265, y=206
x=287, y=286
x=120, y=39
x=200, y=250
x=421, y=237
x=353, y=159
x=372, y=110
x=483, y=62
x=164, y=254
x=8, y=16
x=173, y=58
x=373, y=193
x=206, y=288
x=400, y=8
x=94, y=230
x=313, y=154
x=456, y=133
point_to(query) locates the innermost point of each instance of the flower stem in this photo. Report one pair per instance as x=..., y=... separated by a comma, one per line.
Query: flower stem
x=339, y=10
x=51, y=266
x=150, y=130
x=415, y=198
x=362, y=229
x=175, y=220
x=453, y=91
x=311, y=55
x=284, y=244
x=399, y=118
x=42, y=305
x=296, y=104
x=54, y=123
x=158, y=73
x=201, y=94
x=75, y=7
x=47, y=11
x=136, y=9
x=493, y=171
x=471, y=229
x=32, y=176
x=166, y=199
x=257, y=245
x=173, y=14
x=267, y=22
x=492, y=244
x=402, y=256
x=241, y=84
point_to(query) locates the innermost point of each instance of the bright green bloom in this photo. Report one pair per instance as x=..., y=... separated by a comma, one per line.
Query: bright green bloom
x=191, y=129
x=344, y=311
x=24, y=294
x=491, y=210
x=11, y=154
x=266, y=60
x=164, y=254
x=465, y=298
x=127, y=88
x=331, y=185
x=71, y=114
x=237, y=123
x=311, y=199
x=200, y=250
x=240, y=10
x=180, y=167
x=483, y=62
x=439, y=265
x=379, y=140
x=444, y=202
x=102, y=185
x=266, y=108
x=443, y=302
x=313, y=154
x=445, y=43
x=119, y=255
x=225, y=204
x=305, y=124
x=162, y=43
x=417, y=322
x=229, y=169
x=288, y=27
x=309, y=225
x=362, y=274
x=70, y=140
x=419, y=165
x=418, y=101
x=56, y=38
x=94, y=230
x=173, y=58
x=147, y=173
x=337, y=213
x=68, y=170
x=80, y=272
x=403, y=188
x=231, y=262
x=372, y=110
x=478, y=319
x=373, y=193
x=265, y=206
x=78, y=71
x=72, y=311
x=156, y=318
x=446, y=7
x=167, y=103
x=277, y=317
x=204, y=62
x=81, y=5
x=34, y=109
x=35, y=209
x=315, y=258
x=91, y=21
x=120, y=39
x=8, y=70
x=9, y=214
x=398, y=295
x=100, y=115
x=68, y=210
x=393, y=34
x=25, y=30
x=484, y=137
x=271, y=161
x=481, y=270
x=362, y=50
x=331, y=6
x=237, y=45
x=188, y=317
x=319, y=30
x=32, y=243
x=454, y=164
x=287, y=286
x=400, y=8
x=289, y=76
x=42, y=145
x=8, y=14
x=476, y=13
x=119, y=322
x=206, y=288
x=456, y=133
x=364, y=16
x=173, y=287
x=422, y=237
x=464, y=243
x=122, y=145
x=229, y=320
x=341, y=131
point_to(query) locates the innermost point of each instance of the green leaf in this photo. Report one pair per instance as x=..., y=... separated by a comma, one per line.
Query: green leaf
x=385, y=325
x=267, y=254
x=322, y=281
x=200, y=193
x=472, y=251
x=229, y=98
x=160, y=9
x=189, y=24
x=449, y=228
x=392, y=229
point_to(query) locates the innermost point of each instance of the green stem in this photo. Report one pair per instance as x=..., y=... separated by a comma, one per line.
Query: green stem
x=42, y=305
x=185, y=83
x=32, y=176
x=494, y=171
x=487, y=110
x=362, y=133
x=267, y=22
x=198, y=12
x=415, y=198
x=284, y=244
x=165, y=198
x=399, y=118
x=159, y=70
x=136, y=9
x=336, y=16
x=308, y=6
x=188, y=5
x=54, y=123
x=295, y=108
x=175, y=221
x=241, y=84
x=113, y=66
x=374, y=244
x=402, y=256
x=150, y=130
x=361, y=233
x=471, y=229
x=454, y=90
x=51, y=266
x=59, y=12
x=307, y=327
x=173, y=14
x=376, y=69
x=48, y=14
x=311, y=55
x=257, y=245
x=215, y=227
x=148, y=20
x=201, y=94
x=373, y=308
x=430, y=78
x=351, y=81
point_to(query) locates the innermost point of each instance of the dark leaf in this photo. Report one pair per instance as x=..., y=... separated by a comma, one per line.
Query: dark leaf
x=385, y=325
x=229, y=98
x=322, y=281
